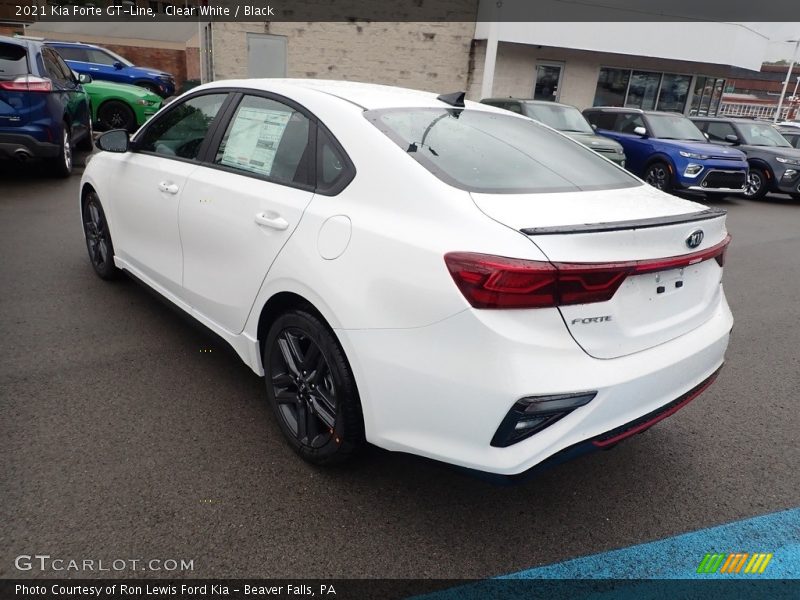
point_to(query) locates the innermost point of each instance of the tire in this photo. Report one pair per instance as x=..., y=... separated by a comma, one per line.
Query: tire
x=87, y=143
x=98, y=238
x=312, y=390
x=116, y=115
x=61, y=165
x=658, y=175
x=756, y=186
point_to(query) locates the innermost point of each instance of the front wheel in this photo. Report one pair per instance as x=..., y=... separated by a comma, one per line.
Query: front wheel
x=756, y=186
x=311, y=389
x=116, y=115
x=98, y=238
x=658, y=175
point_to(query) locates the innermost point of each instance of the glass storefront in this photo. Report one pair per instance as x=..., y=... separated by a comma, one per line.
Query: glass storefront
x=650, y=90
x=612, y=87
x=643, y=90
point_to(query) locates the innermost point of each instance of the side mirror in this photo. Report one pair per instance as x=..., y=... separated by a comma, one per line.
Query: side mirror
x=640, y=131
x=118, y=65
x=733, y=139
x=84, y=78
x=708, y=137
x=116, y=140
x=594, y=126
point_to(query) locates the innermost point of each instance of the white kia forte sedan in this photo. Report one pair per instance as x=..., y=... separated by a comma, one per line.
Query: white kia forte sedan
x=406, y=269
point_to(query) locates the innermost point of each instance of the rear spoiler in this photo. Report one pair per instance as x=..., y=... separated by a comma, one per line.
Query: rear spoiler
x=703, y=215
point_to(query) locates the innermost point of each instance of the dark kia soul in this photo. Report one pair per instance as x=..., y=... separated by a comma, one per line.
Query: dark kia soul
x=774, y=162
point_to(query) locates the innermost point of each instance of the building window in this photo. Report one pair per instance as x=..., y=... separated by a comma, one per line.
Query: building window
x=643, y=90
x=707, y=95
x=674, y=92
x=612, y=87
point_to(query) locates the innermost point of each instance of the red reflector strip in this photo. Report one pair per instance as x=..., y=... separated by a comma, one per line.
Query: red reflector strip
x=499, y=282
x=660, y=415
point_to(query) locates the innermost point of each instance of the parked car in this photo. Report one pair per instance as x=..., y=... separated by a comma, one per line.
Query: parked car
x=103, y=64
x=121, y=106
x=669, y=152
x=432, y=276
x=567, y=119
x=44, y=111
x=791, y=134
x=774, y=162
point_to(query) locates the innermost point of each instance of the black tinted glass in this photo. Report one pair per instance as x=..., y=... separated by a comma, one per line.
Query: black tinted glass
x=488, y=152
x=180, y=131
x=13, y=61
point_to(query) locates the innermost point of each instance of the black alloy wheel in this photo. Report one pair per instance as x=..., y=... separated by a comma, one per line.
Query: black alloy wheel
x=658, y=175
x=98, y=238
x=311, y=389
x=116, y=115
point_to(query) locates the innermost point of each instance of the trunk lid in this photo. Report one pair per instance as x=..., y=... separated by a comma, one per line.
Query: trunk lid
x=620, y=226
x=14, y=105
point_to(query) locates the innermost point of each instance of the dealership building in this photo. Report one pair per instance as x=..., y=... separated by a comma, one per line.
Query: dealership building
x=675, y=66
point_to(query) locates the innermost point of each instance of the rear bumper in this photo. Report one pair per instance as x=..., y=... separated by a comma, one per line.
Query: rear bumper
x=12, y=143
x=442, y=391
x=609, y=439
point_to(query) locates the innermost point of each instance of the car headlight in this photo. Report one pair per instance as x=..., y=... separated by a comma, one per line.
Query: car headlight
x=787, y=160
x=144, y=102
x=693, y=155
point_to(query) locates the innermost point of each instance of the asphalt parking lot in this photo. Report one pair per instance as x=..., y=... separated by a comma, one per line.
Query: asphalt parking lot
x=129, y=432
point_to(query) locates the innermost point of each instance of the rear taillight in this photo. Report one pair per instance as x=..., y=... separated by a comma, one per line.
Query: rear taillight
x=27, y=83
x=499, y=282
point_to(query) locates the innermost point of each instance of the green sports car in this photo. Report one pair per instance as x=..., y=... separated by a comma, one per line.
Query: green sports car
x=119, y=105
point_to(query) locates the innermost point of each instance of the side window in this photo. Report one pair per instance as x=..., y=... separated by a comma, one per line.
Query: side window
x=602, y=120
x=53, y=66
x=268, y=139
x=180, y=131
x=717, y=131
x=333, y=169
x=627, y=122
x=513, y=107
x=69, y=77
x=100, y=58
x=69, y=53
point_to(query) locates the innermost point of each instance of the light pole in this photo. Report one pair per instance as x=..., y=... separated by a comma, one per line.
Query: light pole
x=786, y=81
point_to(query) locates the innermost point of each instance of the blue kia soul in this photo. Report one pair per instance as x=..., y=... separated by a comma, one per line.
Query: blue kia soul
x=669, y=152
x=105, y=65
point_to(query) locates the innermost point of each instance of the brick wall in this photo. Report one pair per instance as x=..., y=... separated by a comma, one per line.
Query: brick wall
x=427, y=56
x=169, y=60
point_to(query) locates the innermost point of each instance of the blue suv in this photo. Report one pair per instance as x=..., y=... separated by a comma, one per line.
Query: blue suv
x=103, y=64
x=44, y=111
x=669, y=152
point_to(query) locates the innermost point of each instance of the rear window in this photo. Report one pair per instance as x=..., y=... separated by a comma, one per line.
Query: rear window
x=487, y=152
x=13, y=61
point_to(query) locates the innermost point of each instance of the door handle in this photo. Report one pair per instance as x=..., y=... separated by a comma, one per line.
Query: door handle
x=168, y=188
x=273, y=220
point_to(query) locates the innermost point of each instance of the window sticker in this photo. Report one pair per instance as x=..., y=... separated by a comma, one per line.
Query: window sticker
x=254, y=138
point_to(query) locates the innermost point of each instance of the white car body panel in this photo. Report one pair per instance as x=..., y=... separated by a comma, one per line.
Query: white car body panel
x=435, y=375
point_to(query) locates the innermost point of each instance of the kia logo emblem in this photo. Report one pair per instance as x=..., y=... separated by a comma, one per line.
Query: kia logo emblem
x=695, y=238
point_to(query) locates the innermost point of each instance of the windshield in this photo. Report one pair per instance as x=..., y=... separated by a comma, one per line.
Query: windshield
x=482, y=151
x=758, y=134
x=674, y=127
x=563, y=118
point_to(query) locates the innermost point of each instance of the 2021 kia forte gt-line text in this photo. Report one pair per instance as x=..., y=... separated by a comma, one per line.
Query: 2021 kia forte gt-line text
x=449, y=280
